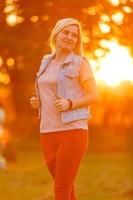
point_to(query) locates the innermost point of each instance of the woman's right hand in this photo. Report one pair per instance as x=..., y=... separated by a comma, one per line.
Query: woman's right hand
x=34, y=102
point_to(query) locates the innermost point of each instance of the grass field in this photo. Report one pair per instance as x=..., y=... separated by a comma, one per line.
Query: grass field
x=102, y=176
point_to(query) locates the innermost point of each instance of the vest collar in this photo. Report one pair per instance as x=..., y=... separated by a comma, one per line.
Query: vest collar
x=69, y=58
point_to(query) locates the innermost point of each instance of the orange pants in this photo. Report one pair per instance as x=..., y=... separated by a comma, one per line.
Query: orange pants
x=63, y=152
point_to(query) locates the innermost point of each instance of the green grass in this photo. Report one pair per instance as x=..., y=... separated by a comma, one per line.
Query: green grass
x=101, y=176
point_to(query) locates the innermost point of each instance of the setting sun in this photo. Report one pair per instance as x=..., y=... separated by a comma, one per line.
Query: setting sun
x=116, y=66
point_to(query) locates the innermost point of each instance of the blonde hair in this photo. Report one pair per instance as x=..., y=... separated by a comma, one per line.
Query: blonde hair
x=62, y=24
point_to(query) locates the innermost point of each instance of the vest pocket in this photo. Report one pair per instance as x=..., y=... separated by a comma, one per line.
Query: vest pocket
x=71, y=73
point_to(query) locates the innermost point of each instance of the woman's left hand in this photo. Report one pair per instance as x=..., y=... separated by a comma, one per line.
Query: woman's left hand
x=61, y=104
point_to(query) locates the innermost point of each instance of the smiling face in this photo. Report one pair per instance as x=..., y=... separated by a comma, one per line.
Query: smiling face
x=67, y=38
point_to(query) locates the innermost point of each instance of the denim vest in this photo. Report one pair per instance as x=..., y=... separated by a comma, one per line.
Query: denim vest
x=68, y=85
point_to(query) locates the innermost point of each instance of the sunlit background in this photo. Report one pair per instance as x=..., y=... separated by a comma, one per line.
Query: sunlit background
x=108, y=45
x=25, y=26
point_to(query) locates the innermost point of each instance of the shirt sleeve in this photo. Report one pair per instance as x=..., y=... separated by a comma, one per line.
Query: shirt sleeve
x=85, y=72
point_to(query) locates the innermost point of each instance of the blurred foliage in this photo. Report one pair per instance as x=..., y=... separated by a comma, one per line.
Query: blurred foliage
x=31, y=39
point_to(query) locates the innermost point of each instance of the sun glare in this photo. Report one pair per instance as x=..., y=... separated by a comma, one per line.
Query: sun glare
x=114, y=2
x=116, y=66
x=13, y=20
x=118, y=18
x=105, y=28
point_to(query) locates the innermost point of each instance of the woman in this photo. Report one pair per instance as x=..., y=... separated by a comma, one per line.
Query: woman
x=65, y=88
